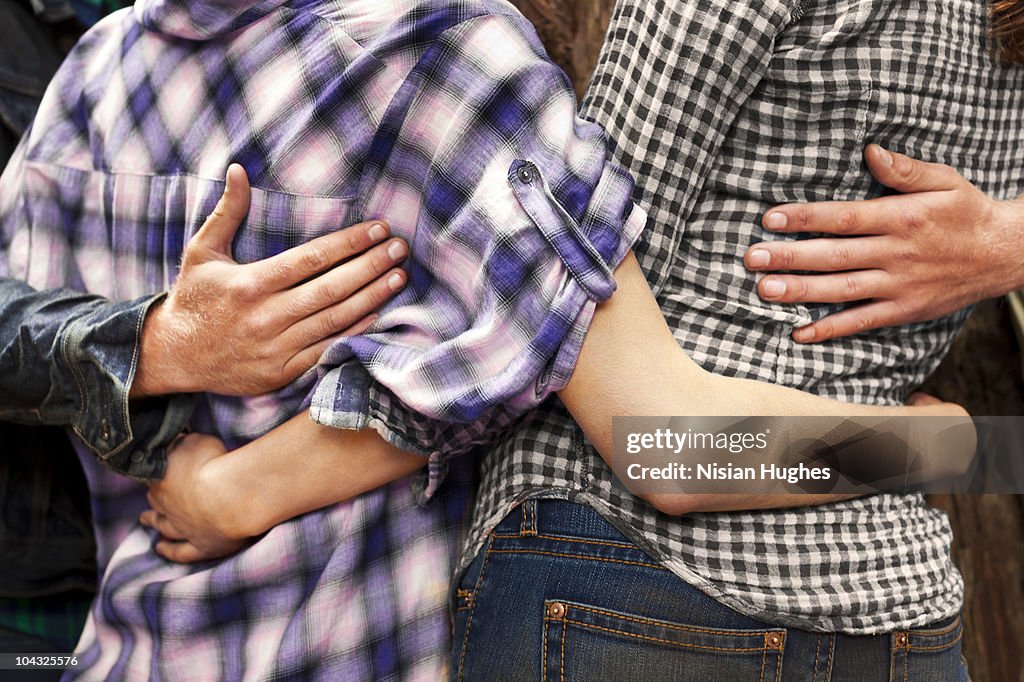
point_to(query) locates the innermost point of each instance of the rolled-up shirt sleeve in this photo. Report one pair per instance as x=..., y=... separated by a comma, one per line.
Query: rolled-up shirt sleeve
x=517, y=217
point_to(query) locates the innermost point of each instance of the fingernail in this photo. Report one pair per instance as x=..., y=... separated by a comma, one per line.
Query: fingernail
x=397, y=250
x=803, y=335
x=377, y=232
x=773, y=288
x=227, y=180
x=885, y=156
x=776, y=221
x=759, y=258
x=395, y=282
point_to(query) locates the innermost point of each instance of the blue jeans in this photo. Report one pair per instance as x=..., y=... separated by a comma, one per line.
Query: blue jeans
x=559, y=594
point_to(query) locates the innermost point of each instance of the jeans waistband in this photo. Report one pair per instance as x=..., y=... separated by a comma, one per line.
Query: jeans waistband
x=542, y=516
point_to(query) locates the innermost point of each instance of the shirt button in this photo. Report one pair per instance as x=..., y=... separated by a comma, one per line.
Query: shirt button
x=137, y=457
x=104, y=430
x=556, y=610
x=525, y=174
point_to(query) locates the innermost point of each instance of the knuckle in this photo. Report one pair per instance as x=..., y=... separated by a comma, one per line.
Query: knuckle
x=948, y=174
x=852, y=287
x=257, y=324
x=802, y=217
x=331, y=322
x=839, y=258
x=244, y=288
x=283, y=271
x=220, y=212
x=325, y=293
x=905, y=312
x=783, y=257
x=906, y=256
x=379, y=264
x=353, y=243
x=912, y=219
x=799, y=287
x=905, y=166
x=379, y=294
x=846, y=220
x=315, y=257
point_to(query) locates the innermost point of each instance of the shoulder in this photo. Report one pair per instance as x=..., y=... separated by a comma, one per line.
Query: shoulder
x=408, y=36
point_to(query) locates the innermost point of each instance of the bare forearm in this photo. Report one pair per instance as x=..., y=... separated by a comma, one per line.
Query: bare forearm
x=298, y=467
x=612, y=379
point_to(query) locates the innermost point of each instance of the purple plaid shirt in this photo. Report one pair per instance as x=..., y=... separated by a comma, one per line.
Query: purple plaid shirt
x=444, y=118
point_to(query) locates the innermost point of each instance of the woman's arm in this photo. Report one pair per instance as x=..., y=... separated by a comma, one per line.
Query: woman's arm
x=210, y=501
x=616, y=376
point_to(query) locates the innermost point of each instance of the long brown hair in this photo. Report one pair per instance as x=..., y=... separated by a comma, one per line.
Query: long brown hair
x=1008, y=30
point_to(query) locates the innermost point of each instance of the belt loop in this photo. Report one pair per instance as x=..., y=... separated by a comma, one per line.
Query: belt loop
x=529, y=524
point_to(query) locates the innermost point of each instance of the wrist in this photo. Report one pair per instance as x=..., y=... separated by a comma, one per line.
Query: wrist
x=1015, y=211
x=1009, y=218
x=158, y=370
x=232, y=504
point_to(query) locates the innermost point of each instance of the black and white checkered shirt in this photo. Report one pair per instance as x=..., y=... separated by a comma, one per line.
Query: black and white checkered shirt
x=723, y=108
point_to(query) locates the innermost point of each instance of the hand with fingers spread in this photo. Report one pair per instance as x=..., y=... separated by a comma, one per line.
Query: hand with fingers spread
x=248, y=329
x=186, y=509
x=940, y=246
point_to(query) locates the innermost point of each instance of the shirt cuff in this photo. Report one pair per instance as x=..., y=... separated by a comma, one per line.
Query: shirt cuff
x=101, y=352
x=590, y=250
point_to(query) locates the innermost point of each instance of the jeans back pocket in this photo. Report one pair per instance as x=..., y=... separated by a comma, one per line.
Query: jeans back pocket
x=583, y=642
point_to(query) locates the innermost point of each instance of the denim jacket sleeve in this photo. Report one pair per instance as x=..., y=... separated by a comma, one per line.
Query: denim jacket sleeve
x=69, y=359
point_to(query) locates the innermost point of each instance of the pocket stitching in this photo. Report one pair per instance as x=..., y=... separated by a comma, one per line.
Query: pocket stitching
x=469, y=621
x=935, y=633
x=574, y=556
x=937, y=647
x=559, y=538
x=672, y=626
x=658, y=639
x=544, y=654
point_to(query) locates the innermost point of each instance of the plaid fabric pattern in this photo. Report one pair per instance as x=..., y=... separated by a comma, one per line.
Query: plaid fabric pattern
x=723, y=109
x=339, y=111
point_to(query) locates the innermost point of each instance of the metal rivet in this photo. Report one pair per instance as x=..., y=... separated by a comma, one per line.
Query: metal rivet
x=525, y=174
x=137, y=456
x=104, y=429
x=901, y=639
x=774, y=641
x=556, y=610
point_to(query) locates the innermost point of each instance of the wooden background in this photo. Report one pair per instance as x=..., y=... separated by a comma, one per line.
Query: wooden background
x=983, y=373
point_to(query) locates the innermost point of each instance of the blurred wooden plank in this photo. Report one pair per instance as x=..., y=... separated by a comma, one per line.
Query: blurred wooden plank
x=982, y=373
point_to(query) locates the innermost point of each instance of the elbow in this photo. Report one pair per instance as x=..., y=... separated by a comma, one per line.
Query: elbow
x=673, y=504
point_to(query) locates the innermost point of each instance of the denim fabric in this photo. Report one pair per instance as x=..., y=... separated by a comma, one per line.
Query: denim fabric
x=560, y=594
x=68, y=359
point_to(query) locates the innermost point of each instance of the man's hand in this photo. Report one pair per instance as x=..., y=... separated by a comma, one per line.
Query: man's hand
x=188, y=511
x=939, y=247
x=247, y=329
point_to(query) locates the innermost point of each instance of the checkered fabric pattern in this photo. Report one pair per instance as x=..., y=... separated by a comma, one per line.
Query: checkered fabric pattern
x=443, y=118
x=722, y=109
